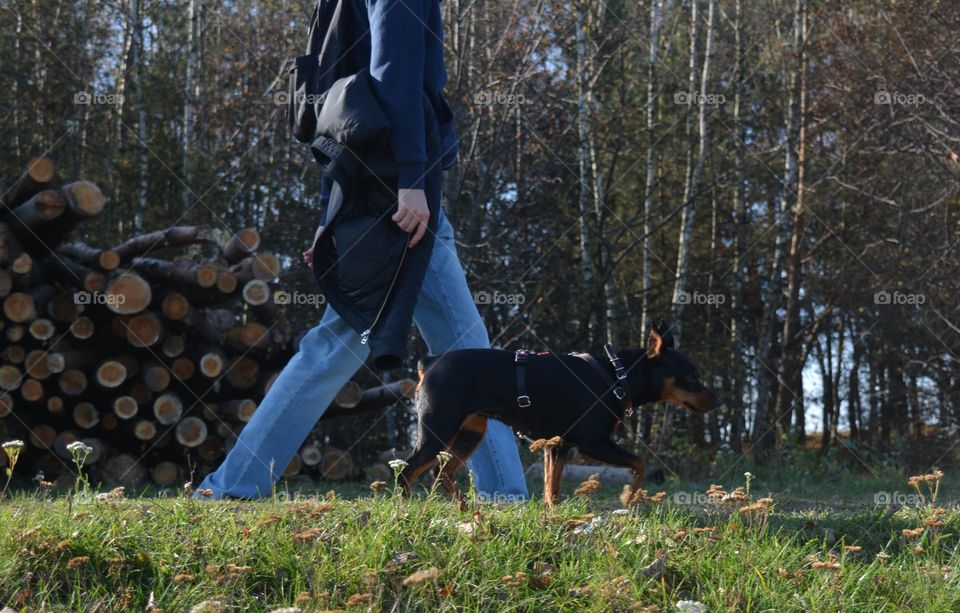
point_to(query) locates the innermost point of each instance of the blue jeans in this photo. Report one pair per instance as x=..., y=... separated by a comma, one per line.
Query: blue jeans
x=330, y=354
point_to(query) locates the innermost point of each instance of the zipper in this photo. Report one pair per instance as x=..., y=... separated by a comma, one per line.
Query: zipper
x=365, y=335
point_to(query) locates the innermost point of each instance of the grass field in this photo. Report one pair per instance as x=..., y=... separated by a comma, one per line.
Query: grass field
x=816, y=544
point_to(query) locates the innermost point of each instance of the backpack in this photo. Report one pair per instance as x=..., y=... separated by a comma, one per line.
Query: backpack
x=326, y=60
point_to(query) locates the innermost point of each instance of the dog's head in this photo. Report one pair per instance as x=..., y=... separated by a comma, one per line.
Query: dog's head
x=668, y=375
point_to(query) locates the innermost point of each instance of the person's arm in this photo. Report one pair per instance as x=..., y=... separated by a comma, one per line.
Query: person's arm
x=397, y=53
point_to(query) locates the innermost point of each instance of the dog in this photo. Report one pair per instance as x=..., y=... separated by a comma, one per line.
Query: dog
x=578, y=397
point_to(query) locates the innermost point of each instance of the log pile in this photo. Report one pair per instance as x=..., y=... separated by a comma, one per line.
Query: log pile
x=154, y=351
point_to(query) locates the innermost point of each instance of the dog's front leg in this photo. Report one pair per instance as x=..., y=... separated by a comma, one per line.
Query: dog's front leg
x=554, y=459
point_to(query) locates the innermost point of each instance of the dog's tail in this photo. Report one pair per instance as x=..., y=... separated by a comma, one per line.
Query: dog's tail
x=423, y=365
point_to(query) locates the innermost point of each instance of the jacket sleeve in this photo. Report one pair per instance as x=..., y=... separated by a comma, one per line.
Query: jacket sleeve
x=397, y=50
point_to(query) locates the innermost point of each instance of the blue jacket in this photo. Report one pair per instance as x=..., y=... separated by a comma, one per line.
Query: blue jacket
x=402, y=43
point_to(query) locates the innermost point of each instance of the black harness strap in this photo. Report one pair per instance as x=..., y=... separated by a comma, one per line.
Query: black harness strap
x=520, y=357
x=619, y=387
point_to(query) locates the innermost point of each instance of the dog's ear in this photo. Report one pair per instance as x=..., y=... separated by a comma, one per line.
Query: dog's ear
x=663, y=330
x=654, y=344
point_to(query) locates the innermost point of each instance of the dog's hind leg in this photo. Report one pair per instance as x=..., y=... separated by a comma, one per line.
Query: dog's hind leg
x=461, y=448
x=434, y=436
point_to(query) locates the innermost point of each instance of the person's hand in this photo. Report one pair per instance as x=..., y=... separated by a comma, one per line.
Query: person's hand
x=308, y=254
x=412, y=214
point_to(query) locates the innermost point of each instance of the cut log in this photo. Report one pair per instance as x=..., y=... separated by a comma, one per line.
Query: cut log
x=183, y=368
x=248, y=336
x=85, y=415
x=82, y=328
x=336, y=465
x=226, y=282
x=39, y=209
x=42, y=329
x=349, y=395
x=191, y=432
x=55, y=404
x=238, y=410
x=293, y=468
x=14, y=354
x=128, y=294
x=175, y=273
x=70, y=272
x=211, y=449
x=111, y=373
x=375, y=399
x=240, y=245
x=35, y=364
x=10, y=377
x=144, y=330
x=145, y=430
x=104, y=259
x=39, y=175
x=165, y=474
x=168, y=409
x=15, y=334
x=310, y=455
x=156, y=377
x=256, y=292
x=84, y=200
x=42, y=436
x=242, y=372
x=176, y=236
x=212, y=363
x=6, y=283
x=72, y=382
x=141, y=393
x=32, y=390
x=125, y=407
x=173, y=346
x=18, y=307
x=175, y=306
x=125, y=470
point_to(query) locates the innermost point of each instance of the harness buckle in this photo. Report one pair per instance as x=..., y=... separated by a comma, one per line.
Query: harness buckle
x=523, y=401
x=619, y=393
x=520, y=357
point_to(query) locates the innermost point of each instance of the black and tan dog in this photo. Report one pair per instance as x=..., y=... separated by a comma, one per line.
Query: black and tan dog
x=578, y=397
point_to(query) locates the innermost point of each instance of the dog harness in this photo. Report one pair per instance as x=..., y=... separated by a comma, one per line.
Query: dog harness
x=619, y=387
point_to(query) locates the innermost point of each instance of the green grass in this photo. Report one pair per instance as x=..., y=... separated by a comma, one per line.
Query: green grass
x=59, y=552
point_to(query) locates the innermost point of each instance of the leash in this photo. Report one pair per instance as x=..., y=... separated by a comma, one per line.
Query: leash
x=619, y=387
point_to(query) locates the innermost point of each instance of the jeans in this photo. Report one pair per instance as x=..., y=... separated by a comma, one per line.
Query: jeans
x=330, y=354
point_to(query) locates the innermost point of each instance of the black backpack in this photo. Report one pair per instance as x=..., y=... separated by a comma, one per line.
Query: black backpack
x=326, y=60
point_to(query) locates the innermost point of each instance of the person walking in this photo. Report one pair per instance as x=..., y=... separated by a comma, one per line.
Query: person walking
x=401, y=41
